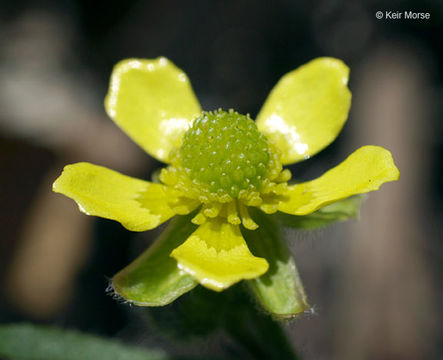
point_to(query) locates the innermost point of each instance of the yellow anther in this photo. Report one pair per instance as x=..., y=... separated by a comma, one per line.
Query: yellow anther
x=247, y=221
x=284, y=176
x=199, y=219
x=233, y=217
x=212, y=209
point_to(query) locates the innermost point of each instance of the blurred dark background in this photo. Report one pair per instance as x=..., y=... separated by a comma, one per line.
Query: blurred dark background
x=375, y=284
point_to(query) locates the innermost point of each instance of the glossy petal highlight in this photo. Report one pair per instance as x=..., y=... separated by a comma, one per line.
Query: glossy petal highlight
x=153, y=279
x=307, y=108
x=153, y=102
x=138, y=205
x=366, y=169
x=217, y=256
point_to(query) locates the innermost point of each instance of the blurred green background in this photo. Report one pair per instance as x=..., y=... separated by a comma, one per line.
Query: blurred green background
x=374, y=285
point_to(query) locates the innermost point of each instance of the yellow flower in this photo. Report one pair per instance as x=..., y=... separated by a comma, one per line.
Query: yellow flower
x=222, y=165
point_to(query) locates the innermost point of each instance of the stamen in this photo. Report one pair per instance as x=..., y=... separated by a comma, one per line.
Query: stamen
x=270, y=204
x=212, y=209
x=179, y=204
x=251, y=198
x=284, y=176
x=247, y=222
x=199, y=219
x=233, y=217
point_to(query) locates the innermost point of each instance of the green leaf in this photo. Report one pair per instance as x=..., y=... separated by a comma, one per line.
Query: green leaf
x=280, y=290
x=342, y=210
x=154, y=279
x=31, y=342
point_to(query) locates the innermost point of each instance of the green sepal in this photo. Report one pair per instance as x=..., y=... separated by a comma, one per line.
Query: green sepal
x=342, y=210
x=154, y=279
x=280, y=290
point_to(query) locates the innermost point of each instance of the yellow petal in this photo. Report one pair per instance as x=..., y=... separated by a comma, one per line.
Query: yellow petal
x=138, y=205
x=217, y=256
x=153, y=102
x=366, y=169
x=307, y=108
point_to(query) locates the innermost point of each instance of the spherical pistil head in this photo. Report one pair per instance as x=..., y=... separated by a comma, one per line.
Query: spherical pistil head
x=225, y=152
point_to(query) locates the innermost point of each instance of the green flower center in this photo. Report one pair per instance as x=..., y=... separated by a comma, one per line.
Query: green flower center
x=227, y=165
x=226, y=152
